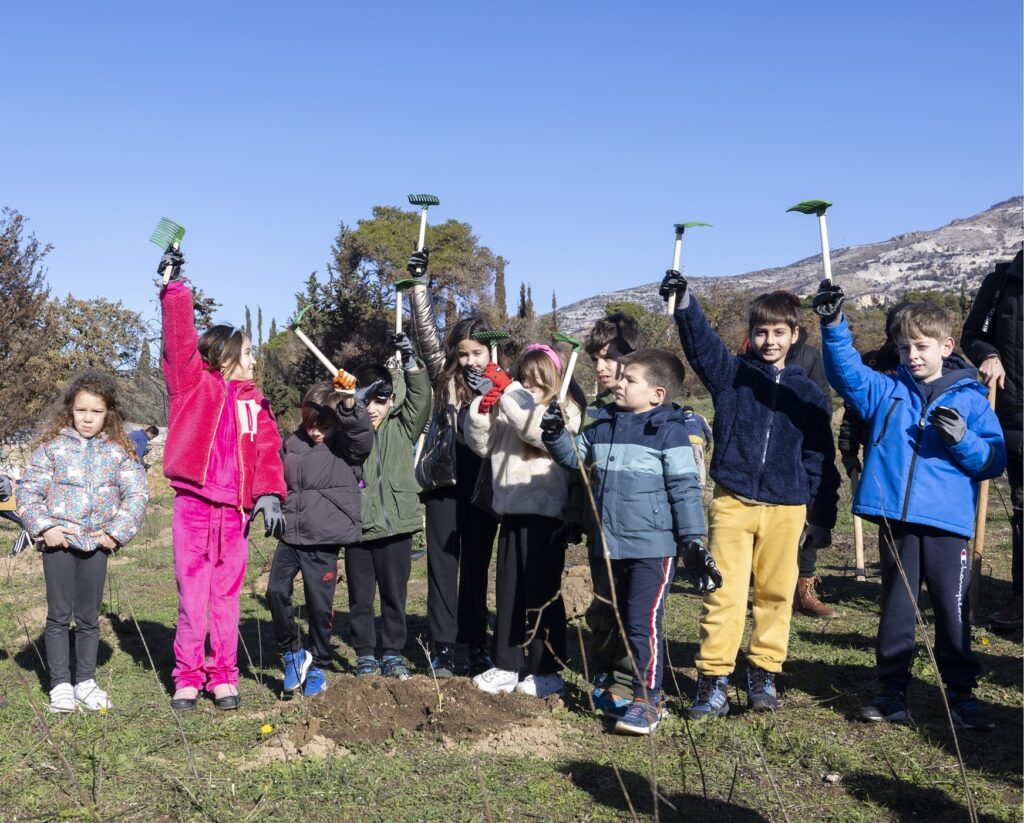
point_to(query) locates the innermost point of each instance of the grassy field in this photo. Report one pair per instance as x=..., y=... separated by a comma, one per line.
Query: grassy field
x=388, y=751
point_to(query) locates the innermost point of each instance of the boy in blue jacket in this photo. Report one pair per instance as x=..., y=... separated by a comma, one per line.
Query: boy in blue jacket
x=933, y=438
x=775, y=483
x=645, y=484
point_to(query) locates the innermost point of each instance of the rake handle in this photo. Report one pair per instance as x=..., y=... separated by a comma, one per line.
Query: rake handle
x=563, y=390
x=677, y=254
x=826, y=259
x=980, y=526
x=334, y=370
x=169, y=269
x=858, y=536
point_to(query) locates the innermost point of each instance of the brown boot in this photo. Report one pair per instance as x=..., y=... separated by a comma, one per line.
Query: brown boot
x=806, y=601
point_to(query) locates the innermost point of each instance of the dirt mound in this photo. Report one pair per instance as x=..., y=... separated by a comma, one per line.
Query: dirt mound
x=540, y=737
x=577, y=591
x=371, y=710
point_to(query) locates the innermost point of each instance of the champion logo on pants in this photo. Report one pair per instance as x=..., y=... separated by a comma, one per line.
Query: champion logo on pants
x=960, y=586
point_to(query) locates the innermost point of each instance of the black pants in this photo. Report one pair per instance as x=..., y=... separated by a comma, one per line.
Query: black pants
x=807, y=558
x=74, y=587
x=460, y=542
x=385, y=565
x=1014, y=469
x=608, y=651
x=942, y=561
x=530, y=610
x=641, y=587
x=319, y=567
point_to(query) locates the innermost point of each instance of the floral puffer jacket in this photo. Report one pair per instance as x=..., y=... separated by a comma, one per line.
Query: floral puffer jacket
x=84, y=485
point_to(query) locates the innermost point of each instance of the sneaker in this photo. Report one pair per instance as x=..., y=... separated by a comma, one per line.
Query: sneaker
x=315, y=683
x=605, y=700
x=761, y=694
x=1010, y=616
x=496, y=681
x=417, y=554
x=296, y=665
x=641, y=718
x=541, y=685
x=478, y=662
x=92, y=697
x=393, y=665
x=443, y=661
x=712, y=699
x=366, y=666
x=967, y=712
x=888, y=705
x=62, y=698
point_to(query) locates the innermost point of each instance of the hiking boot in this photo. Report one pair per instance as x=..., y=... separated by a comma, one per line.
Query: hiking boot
x=496, y=681
x=296, y=665
x=478, y=661
x=641, y=717
x=62, y=698
x=887, y=705
x=967, y=712
x=540, y=685
x=92, y=697
x=315, y=683
x=367, y=666
x=443, y=661
x=392, y=665
x=806, y=600
x=712, y=699
x=1010, y=616
x=761, y=694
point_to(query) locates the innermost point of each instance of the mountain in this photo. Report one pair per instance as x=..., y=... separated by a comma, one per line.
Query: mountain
x=962, y=252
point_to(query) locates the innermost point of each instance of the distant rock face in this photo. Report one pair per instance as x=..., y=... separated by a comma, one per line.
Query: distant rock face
x=962, y=252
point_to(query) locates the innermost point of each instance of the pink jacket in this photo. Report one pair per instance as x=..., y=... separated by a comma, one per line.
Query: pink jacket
x=197, y=397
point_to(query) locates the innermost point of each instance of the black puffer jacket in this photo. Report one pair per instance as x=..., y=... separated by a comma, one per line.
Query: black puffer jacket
x=995, y=326
x=323, y=506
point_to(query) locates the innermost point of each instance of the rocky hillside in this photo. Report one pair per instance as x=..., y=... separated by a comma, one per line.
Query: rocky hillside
x=962, y=252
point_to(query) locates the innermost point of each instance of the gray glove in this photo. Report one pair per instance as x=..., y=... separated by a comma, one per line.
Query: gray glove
x=948, y=424
x=476, y=381
x=6, y=488
x=551, y=422
x=819, y=536
x=851, y=463
x=400, y=342
x=699, y=566
x=174, y=258
x=568, y=534
x=273, y=518
x=828, y=302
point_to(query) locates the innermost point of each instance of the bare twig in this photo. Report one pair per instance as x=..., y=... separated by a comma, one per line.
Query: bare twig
x=686, y=723
x=437, y=687
x=775, y=787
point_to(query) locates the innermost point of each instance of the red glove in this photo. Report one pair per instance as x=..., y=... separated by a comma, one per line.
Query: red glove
x=501, y=381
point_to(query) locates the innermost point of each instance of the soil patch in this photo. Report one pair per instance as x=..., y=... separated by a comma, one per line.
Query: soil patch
x=577, y=591
x=371, y=710
x=541, y=737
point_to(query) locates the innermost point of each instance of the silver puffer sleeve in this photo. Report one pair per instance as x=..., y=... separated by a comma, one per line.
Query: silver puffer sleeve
x=425, y=331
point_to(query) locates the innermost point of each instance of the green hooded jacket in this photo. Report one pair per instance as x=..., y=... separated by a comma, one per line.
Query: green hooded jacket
x=391, y=503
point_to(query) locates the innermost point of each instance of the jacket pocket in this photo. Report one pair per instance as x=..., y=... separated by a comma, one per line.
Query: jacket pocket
x=645, y=513
x=885, y=422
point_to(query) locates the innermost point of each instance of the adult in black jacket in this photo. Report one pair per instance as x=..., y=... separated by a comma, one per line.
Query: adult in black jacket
x=993, y=338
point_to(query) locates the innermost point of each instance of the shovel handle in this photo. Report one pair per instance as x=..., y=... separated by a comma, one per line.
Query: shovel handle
x=826, y=259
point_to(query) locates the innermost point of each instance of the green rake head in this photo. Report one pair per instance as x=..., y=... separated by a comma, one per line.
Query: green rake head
x=490, y=338
x=681, y=227
x=402, y=285
x=167, y=233
x=558, y=337
x=817, y=207
x=296, y=321
x=424, y=200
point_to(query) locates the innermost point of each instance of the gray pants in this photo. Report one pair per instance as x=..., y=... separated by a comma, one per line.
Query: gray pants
x=74, y=587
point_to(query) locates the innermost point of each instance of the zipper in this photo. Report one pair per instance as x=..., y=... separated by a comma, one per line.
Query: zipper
x=209, y=451
x=88, y=490
x=768, y=433
x=380, y=485
x=917, y=445
x=241, y=475
x=885, y=422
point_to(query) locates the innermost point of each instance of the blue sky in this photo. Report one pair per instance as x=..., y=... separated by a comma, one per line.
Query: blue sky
x=570, y=135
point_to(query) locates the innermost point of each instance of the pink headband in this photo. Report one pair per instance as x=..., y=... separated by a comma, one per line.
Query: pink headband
x=550, y=352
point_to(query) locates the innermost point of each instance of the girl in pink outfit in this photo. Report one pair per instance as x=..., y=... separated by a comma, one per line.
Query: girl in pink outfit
x=223, y=460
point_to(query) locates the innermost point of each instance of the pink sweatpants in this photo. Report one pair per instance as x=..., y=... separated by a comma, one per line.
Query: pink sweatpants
x=210, y=554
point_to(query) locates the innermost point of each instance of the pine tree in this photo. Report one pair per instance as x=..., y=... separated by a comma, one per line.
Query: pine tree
x=248, y=323
x=529, y=303
x=273, y=329
x=554, y=311
x=259, y=324
x=500, y=300
x=521, y=310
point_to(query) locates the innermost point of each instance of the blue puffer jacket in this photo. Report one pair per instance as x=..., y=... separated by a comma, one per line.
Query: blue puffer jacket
x=772, y=428
x=643, y=476
x=910, y=475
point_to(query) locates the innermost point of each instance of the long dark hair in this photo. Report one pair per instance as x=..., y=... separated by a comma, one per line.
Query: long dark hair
x=464, y=329
x=221, y=347
x=62, y=415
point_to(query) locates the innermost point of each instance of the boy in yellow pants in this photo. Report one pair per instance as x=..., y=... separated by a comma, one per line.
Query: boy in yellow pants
x=775, y=481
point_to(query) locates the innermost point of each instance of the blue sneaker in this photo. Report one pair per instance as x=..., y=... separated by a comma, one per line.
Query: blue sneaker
x=641, y=718
x=366, y=666
x=967, y=712
x=761, y=694
x=712, y=698
x=392, y=665
x=605, y=701
x=296, y=665
x=888, y=705
x=316, y=683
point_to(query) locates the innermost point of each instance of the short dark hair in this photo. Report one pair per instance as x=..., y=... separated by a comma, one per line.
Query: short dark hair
x=618, y=331
x=319, y=404
x=370, y=374
x=662, y=368
x=152, y=431
x=775, y=307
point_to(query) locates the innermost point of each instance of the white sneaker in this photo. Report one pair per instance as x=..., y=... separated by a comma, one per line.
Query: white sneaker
x=541, y=685
x=62, y=698
x=496, y=681
x=88, y=694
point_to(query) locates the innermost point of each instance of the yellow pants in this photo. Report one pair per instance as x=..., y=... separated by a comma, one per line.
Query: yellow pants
x=745, y=537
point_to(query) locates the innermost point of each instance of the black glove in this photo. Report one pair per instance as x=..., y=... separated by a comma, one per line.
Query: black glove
x=700, y=566
x=828, y=302
x=400, y=342
x=174, y=258
x=672, y=282
x=851, y=463
x=273, y=519
x=476, y=381
x=818, y=536
x=568, y=534
x=370, y=392
x=418, y=261
x=6, y=489
x=552, y=423
x=948, y=424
